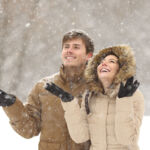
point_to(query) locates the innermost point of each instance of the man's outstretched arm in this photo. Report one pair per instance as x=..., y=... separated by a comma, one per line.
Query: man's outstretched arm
x=25, y=119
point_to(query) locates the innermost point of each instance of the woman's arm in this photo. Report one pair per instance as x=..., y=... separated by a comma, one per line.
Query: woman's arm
x=74, y=115
x=76, y=119
x=128, y=118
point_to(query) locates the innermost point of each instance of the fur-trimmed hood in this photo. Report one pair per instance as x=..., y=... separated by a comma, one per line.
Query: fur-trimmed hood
x=126, y=62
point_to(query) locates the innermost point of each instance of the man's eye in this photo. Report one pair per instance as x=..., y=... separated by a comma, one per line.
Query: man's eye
x=66, y=46
x=76, y=47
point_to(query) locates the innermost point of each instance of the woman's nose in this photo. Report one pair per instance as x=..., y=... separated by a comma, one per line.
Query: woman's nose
x=104, y=63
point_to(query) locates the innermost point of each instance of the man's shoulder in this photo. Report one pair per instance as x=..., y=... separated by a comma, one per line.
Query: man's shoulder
x=50, y=78
x=42, y=82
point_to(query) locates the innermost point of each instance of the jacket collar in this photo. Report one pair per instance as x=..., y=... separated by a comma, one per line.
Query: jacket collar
x=76, y=77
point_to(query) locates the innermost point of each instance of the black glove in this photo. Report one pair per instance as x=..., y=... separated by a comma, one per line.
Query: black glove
x=6, y=99
x=129, y=88
x=57, y=91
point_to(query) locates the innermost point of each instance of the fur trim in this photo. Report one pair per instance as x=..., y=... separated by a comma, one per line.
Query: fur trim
x=127, y=67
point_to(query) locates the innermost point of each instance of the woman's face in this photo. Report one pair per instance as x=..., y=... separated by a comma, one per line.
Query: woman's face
x=108, y=68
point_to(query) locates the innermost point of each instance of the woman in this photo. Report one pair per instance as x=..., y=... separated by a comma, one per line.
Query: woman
x=112, y=108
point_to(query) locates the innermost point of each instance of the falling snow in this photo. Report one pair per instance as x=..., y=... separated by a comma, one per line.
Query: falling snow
x=27, y=24
x=30, y=46
x=33, y=30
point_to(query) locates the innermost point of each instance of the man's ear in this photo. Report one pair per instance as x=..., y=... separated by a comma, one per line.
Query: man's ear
x=89, y=55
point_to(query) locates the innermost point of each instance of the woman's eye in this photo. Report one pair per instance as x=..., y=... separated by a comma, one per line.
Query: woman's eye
x=112, y=61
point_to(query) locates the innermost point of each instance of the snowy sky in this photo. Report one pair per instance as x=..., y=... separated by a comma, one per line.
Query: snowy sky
x=31, y=33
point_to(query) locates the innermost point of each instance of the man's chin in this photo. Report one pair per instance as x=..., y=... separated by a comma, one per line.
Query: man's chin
x=69, y=65
x=73, y=66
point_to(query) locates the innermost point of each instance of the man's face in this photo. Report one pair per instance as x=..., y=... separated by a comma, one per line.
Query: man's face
x=74, y=53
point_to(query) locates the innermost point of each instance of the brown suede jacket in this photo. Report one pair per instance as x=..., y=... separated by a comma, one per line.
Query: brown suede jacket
x=44, y=114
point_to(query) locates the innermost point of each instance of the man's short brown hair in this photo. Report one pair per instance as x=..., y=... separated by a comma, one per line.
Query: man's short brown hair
x=79, y=34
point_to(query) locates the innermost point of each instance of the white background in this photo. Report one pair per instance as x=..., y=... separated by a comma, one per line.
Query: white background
x=10, y=140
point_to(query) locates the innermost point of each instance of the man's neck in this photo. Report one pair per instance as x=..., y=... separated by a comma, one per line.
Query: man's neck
x=74, y=73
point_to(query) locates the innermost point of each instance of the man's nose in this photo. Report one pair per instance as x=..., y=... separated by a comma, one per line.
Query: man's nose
x=69, y=50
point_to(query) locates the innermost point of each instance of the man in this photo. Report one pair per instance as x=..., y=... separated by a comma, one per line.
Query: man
x=43, y=112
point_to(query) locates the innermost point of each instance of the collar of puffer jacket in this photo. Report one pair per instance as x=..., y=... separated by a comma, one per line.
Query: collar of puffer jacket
x=127, y=68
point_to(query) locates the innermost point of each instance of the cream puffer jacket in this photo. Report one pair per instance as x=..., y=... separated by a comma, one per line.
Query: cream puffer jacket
x=113, y=123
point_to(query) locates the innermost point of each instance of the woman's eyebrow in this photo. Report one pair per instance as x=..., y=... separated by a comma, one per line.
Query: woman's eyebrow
x=113, y=59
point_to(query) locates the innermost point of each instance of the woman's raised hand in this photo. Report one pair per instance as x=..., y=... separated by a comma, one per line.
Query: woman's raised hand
x=129, y=88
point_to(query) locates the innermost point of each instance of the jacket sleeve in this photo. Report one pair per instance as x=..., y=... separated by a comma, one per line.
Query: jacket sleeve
x=128, y=119
x=76, y=120
x=25, y=119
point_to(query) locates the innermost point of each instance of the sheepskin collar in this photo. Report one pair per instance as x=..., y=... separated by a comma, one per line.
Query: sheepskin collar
x=75, y=77
x=127, y=69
